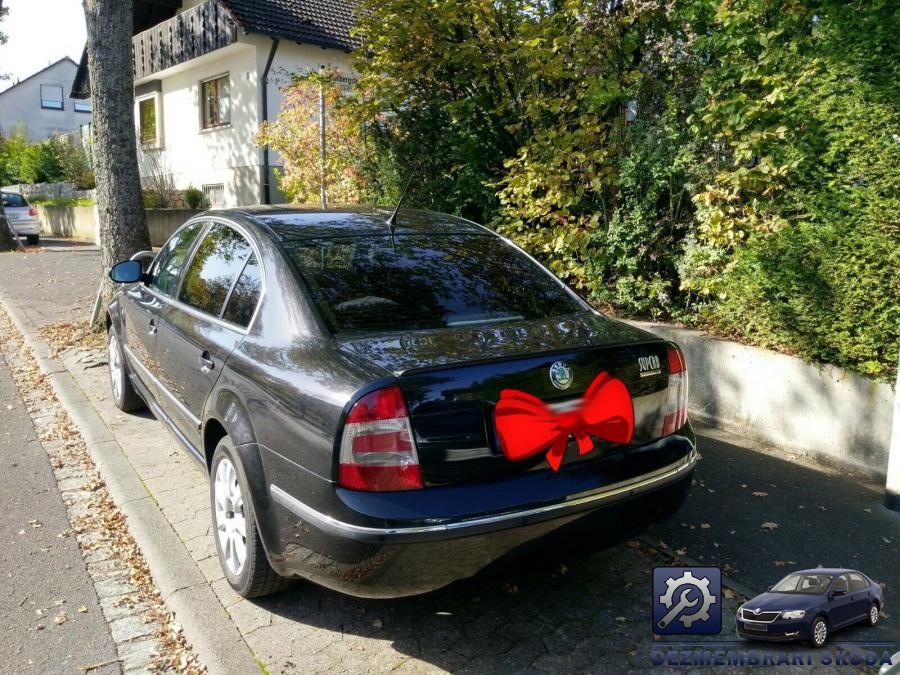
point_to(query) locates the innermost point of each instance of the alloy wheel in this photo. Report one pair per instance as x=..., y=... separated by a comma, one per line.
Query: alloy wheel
x=231, y=521
x=873, y=614
x=820, y=632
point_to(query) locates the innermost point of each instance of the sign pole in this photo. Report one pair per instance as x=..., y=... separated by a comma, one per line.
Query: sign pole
x=892, y=488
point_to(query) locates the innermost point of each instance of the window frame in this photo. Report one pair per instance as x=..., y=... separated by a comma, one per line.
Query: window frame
x=205, y=124
x=157, y=142
x=850, y=576
x=188, y=257
x=62, y=97
x=208, y=222
x=89, y=110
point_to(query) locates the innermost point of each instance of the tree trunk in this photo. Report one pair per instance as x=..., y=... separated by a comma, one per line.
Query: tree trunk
x=8, y=239
x=123, y=229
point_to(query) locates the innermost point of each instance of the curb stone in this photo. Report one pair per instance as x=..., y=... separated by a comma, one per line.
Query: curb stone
x=207, y=627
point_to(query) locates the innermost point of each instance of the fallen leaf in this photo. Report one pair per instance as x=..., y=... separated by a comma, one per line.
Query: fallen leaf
x=716, y=544
x=378, y=623
x=663, y=544
x=769, y=526
x=868, y=510
x=510, y=588
x=728, y=593
x=657, y=637
x=40, y=626
x=681, y=551
x=759, y=493
x=704, y=526
x=61, y=618
x=743, y=485
x=822, y=508
x=562, y=569
x=621, y=619
x=83, y=609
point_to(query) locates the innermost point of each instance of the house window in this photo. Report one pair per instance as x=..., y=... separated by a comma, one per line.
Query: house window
x=147, y=121
x=51, y=97
x=83, y=106
x=214, y=194
x=215, y=98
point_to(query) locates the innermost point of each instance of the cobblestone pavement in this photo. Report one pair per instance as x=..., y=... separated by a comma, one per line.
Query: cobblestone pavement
x=581, y=613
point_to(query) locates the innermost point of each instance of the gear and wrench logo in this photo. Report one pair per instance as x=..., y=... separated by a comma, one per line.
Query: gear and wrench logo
x=683, y=598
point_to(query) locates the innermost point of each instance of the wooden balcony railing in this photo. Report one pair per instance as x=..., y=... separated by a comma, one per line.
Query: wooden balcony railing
x=195, y=32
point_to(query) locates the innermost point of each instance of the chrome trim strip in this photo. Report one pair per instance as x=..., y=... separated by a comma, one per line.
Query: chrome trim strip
x=634, y=486
x=161, y=387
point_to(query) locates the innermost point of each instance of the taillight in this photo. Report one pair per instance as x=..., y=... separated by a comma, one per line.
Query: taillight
x=378, y=453
x=677, y=394
x=32, y=211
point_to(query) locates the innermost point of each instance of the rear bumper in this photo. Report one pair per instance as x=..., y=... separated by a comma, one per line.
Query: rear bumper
x=489, y=523
x=26, y=227
x=394, y=558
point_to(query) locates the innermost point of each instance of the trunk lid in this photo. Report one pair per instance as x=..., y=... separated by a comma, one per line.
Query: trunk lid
x=452, y=378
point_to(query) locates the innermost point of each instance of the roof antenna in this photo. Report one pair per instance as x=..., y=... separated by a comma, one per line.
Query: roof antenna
x=392, y=219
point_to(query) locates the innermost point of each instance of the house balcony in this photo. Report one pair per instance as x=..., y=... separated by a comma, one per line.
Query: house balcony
x=188, y=35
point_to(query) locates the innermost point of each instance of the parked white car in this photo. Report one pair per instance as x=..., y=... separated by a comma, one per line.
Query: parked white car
x=23, y=217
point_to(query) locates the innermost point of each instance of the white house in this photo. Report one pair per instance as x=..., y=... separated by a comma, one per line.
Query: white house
x=208, y=74
x=41, y=104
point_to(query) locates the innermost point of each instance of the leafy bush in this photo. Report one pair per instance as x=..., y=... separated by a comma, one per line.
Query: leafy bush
x=757, y=192
x=193, y=197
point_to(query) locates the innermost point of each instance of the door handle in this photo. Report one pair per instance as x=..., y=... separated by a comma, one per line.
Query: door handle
x=152, y=329
x=206, y=362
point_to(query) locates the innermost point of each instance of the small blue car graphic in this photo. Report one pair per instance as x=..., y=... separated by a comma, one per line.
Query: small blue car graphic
x=809, y=605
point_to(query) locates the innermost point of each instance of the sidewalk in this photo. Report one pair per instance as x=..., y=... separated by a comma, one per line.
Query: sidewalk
x=589, y=613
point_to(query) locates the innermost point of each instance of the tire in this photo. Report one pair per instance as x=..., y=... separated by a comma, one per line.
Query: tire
x=123, y=393
x=874, y=615
x=238, y=544
x=33, y=239
x=818, y=634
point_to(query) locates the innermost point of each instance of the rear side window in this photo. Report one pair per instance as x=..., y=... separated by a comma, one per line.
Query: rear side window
x=13, y=201
x=245, y=295
x=219, y=259
x=167, y=266
x=857, y=583
x=415, y=282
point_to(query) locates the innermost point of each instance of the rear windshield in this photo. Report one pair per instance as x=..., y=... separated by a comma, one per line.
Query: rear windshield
x=11, y=200
x=369, y=284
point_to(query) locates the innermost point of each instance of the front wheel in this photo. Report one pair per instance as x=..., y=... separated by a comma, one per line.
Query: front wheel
x=124, y=395
x=819, y=632
x=874, y=614
x=238, y=543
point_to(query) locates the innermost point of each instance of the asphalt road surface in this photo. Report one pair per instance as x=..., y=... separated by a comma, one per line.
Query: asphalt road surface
x=42, y=573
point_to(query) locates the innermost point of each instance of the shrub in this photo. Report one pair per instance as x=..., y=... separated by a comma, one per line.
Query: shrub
x=193, y=197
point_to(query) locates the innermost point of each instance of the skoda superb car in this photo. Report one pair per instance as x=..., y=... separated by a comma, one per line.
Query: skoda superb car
x=386, y=407
x=809, y=605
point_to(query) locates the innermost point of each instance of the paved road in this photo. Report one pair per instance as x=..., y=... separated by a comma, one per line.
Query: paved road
x=591, y=613
x=42, y=574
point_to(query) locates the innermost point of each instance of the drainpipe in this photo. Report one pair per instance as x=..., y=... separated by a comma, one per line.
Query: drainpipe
x=266, y=187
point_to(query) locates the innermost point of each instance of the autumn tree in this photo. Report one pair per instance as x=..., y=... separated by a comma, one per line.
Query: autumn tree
x=122, y=227
x=295, y=135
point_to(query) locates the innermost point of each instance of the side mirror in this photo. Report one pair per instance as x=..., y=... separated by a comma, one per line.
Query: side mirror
x=126, y=272
x=769, y=589
x=838, y=590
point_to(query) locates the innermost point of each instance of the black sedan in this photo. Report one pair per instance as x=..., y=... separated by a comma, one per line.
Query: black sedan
x=386, y=407
x=810, y=605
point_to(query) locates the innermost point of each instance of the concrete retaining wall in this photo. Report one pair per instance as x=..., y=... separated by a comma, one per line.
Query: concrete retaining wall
x=821, y=411
x=80, y=222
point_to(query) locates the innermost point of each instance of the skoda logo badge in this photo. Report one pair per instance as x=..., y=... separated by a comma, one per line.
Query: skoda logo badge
x=757, y=610
x=561, y=375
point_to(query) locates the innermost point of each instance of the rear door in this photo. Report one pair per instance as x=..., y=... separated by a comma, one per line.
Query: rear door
x=199, y=331
x=841, y=609
x=142, y=304
x=860, y=595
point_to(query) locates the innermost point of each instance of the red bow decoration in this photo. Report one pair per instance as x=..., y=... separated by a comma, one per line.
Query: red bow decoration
x=526, y=426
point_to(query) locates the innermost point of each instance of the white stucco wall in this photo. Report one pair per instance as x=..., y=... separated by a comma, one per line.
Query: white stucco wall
x=227, y=155
x=21, y=104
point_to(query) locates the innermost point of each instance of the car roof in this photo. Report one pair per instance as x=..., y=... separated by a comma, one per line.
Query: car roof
x=825, y=570
x=298, y=222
